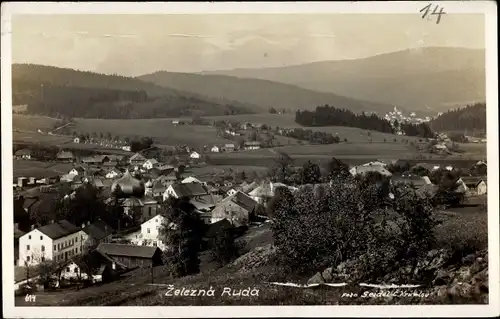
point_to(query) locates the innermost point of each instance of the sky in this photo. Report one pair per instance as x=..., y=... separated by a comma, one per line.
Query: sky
x=133, y=45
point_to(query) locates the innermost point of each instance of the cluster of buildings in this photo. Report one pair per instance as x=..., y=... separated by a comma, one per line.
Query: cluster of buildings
x=396, y=116
x=141, y=185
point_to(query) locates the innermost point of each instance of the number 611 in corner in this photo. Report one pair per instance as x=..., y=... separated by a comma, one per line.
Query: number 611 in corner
x=30, y=298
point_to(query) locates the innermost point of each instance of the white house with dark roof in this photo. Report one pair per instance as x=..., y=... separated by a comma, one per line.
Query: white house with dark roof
x=215, y=149
x=190, y=190
x=150, y=163
x=195, y=155
x=237, y=209
x=57, y=241
x=150, y=232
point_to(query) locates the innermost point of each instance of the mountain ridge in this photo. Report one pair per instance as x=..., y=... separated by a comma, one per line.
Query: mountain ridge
x=446, y=68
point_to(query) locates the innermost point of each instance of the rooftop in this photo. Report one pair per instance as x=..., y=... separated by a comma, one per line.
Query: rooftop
x=59, y=229
x=127, y=250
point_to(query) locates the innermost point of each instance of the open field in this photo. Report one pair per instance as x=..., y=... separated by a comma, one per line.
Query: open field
x=161, y=130
x=33, y=123
x=29, y=168
x=165, y=133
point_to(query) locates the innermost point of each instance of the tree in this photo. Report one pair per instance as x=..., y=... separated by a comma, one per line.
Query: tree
x=345, y=140
x=310, y=173
x=282, y=170
x=336, y=167
x=343, y=221
x=223, y=247
x=272, y=110
x=182, y=233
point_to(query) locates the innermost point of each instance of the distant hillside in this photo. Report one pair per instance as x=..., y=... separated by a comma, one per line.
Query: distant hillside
x=424, y=80
x=264, y=93
x=50, y=90
x=470, y=120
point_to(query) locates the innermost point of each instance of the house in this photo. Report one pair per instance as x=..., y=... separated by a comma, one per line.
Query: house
x=113, y=173
x=195, y=155
x=375, y=163
x=190, y=190
x=78, y=170
x=126, y=148
x=362, y=170
x=413, y=180
x=76, y=140
x=238, y=209
x=215, y=149
x=58, y=241
x=252, y=145
x=96, y=233
x=137, y=159
x=23, y=154
x=229, y=147
x=218, y=227
x=150, y=232
x=231, y=192
x=65, y=156
x=476, y=185
x=191, y=179
x=132, y=255
x=150, y=163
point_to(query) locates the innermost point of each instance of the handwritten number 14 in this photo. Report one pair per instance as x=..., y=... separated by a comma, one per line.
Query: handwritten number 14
x=426, y=11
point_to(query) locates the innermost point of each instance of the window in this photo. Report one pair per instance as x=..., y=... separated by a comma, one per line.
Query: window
x=59, y=246
x=154, y=243
x=55, y=247
x=29, y=236
x=150, y=213
x=27, y=258
x=76, y=239
x=27, y=247
x=148, y=231
x=43, y=248
x=75, y=270
x=43, y=259
x=67, y=269
x=41, y=237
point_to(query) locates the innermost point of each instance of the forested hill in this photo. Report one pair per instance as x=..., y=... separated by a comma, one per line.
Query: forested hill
x=51, y=90
x=471, y=118
x=268, y=94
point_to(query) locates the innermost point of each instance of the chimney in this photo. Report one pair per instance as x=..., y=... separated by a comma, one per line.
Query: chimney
x=83, y=225
x=32, y=227
x=88, y=223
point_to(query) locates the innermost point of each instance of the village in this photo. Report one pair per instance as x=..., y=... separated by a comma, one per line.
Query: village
x=140, y=186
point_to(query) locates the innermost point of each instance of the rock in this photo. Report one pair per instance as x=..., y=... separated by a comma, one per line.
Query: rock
x=469, y=259
x=327, y=274
x=443, y=277
x=461, y=290
x=316, y=279
x=463, y=275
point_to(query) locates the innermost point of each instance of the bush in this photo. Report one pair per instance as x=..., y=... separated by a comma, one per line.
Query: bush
x=223, y=247
x=344, y=221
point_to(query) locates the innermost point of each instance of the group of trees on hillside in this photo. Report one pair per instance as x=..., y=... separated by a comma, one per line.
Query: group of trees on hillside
x=314, y=137
x=375, y=234
x=331, y=116
x=471, y=118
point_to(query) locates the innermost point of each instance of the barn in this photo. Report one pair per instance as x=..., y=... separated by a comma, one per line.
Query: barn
x=132, y=255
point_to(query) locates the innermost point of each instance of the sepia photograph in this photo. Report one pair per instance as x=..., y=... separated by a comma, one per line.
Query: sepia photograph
x=249, y=154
